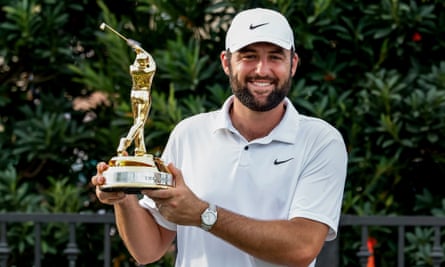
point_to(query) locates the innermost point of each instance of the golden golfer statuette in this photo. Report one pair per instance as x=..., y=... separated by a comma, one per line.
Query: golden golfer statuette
x=131, y=173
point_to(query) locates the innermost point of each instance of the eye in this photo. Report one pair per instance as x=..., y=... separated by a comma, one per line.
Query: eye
x=276, y=57
x=249, y=56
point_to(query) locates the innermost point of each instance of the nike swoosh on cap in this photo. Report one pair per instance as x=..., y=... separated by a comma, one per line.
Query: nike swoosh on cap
x=252, y=27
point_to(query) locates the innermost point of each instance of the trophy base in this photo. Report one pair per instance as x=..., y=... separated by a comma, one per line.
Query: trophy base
x=131, y=188
x=132, y=174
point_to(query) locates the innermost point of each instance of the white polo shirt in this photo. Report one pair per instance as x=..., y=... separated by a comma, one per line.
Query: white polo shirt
x=298, y=170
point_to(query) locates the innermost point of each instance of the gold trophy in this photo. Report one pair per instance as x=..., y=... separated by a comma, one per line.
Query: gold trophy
x=142, y=170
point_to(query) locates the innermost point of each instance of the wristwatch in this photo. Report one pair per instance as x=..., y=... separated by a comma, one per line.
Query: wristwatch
x=208, y=217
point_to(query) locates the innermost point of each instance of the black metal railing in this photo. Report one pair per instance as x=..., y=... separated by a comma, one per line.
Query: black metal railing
x=329, y=256
x=72, y=250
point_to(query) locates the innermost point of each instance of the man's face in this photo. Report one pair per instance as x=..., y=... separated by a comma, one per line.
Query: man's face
x=261, y=75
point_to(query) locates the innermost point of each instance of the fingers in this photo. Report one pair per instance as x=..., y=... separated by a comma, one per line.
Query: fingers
x=171, y=167
x=98, y=179
x=177, y=174
x=101, y=167
x=110, y=197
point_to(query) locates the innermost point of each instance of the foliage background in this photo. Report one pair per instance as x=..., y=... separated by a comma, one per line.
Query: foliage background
x=373, y=69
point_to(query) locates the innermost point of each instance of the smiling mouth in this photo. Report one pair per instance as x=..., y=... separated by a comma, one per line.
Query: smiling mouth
x=261, y=84
x=261, y=80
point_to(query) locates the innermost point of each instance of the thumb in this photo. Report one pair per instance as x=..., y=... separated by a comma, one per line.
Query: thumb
x=177, y=174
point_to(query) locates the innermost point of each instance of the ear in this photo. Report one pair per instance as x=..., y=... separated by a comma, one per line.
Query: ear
x=225, y=62
x=295, y=59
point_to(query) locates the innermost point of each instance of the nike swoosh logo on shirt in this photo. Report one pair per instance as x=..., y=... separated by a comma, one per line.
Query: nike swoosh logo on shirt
x=278, y=162
x=253, y=27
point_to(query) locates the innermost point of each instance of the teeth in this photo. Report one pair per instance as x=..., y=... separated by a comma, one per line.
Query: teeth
x=262, y=84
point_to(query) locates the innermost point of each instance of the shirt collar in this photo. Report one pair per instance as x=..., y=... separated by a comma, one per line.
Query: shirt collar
x=286, y=130
x=223, y=120
x=283, y=132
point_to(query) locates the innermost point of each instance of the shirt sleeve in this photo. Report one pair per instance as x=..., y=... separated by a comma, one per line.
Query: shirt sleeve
x=150, y=205
x=319, y=193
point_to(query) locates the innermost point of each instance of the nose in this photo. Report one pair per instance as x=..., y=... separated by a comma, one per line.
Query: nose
x=262, y=67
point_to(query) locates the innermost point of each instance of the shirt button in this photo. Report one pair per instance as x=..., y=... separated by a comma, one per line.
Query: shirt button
x=246, y=148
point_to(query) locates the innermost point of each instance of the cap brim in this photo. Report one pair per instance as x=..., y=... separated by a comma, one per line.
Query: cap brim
x=237, y=46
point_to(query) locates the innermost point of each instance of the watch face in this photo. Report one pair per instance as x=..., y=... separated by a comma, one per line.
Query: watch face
x=209, y=218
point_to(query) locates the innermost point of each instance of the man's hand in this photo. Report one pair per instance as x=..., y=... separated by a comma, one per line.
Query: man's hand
x=98, y=180
x=179, y=204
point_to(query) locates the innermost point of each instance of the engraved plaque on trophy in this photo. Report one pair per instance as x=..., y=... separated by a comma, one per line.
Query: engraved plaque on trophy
x=132, y=173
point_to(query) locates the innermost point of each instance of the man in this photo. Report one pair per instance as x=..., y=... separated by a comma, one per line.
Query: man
x=257, y=184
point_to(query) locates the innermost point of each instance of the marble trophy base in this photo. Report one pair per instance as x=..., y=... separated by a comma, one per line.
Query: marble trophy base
x=131, y=174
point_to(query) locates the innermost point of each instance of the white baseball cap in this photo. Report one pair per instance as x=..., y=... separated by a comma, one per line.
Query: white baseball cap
x=259, y=25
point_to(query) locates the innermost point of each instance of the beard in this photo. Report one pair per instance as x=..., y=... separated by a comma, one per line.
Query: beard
x=241, y=91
